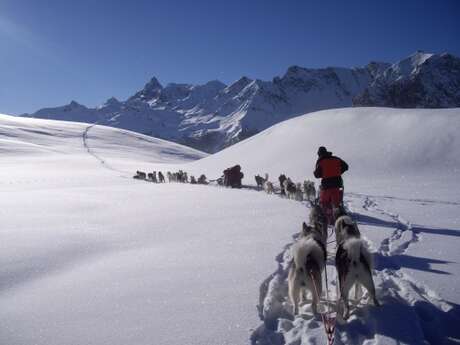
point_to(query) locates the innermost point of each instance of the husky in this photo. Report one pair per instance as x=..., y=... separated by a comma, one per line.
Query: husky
x=345, y=227
x=268, y=187
x=298, y=192
x=309, y=190
x=318, y=219
x=202, y=179
x=259, y=181
x=281, y=179
x=161, y=177
x=309, y=259
x=289, y=188
x=353, y=262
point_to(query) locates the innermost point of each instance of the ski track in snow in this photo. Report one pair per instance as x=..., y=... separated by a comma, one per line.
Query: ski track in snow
x=93, y=154
x=405, y=302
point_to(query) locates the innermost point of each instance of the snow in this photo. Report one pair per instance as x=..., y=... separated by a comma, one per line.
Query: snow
x=91, y=256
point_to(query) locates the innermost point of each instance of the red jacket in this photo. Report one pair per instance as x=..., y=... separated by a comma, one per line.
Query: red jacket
x=330, y=169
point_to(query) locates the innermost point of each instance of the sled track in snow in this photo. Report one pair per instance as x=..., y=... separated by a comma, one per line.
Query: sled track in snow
x=93, y=154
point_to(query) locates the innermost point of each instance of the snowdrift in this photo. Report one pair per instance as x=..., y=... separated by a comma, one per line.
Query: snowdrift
x=382, y=146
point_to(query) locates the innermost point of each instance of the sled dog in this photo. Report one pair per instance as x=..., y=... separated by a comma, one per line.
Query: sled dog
x=309, y=258
x=259, y=181
x=268, y=186
x=298, y=192
x=345, y=227
x=353, y=262
x=309, y=190
x=318, y=219
x=289, y=188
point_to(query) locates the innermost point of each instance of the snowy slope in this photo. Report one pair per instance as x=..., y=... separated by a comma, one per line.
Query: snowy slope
x=213, y=115
x=379, y=144
x=104, y=259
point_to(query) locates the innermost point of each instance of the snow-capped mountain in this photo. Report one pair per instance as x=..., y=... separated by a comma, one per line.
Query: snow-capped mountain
x=419, y=81
x=213, y=116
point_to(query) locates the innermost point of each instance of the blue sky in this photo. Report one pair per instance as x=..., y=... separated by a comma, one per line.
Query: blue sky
x=55, y=51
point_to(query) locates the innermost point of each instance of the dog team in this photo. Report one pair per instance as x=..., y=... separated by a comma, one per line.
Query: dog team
x=291, y=190
x=353, y=261
x=179, y=176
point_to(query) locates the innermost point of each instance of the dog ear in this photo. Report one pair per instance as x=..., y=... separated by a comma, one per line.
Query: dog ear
x=306, y=229
x=304, y=226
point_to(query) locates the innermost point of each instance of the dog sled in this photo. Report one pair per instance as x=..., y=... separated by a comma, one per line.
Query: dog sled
x=140, y=175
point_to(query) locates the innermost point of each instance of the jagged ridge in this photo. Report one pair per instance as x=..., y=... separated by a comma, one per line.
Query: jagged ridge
x=213, y=116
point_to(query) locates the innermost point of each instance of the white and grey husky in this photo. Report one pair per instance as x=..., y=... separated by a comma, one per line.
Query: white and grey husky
x=353, y=262
x=318, y=219
x=309, y=258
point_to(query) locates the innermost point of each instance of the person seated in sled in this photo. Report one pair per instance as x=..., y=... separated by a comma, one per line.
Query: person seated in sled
x=330, y=169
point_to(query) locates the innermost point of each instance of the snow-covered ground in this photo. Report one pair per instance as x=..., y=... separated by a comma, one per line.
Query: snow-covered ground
x=91, y=256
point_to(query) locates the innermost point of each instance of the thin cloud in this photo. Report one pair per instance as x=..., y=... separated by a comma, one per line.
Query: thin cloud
x=24, y=37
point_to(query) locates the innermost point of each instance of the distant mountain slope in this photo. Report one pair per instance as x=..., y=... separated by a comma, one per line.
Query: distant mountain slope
x=213, y=116
x=420, y=81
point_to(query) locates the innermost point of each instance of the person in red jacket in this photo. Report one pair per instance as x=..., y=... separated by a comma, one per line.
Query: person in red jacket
x=330, y=169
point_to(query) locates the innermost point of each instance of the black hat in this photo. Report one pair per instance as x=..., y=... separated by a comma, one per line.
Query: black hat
x=322, y=151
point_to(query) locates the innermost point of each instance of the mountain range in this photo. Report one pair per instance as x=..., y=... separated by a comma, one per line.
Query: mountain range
x=214, y=115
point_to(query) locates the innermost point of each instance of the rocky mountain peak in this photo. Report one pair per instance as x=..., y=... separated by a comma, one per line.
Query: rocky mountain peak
x=151, y=91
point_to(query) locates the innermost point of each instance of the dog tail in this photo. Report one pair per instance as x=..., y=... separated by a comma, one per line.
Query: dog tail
x=358, y=253
x=353, y=248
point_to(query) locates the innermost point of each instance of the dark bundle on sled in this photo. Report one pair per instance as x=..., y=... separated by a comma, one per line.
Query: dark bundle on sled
x=233, y=177
x=140, y=175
